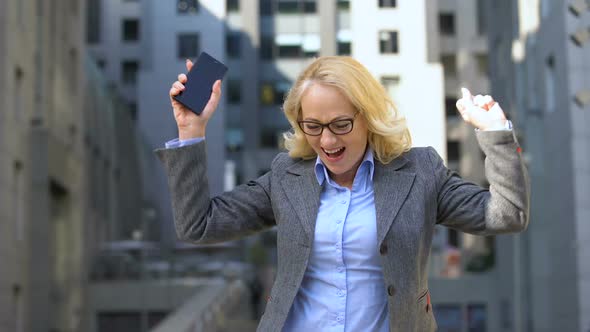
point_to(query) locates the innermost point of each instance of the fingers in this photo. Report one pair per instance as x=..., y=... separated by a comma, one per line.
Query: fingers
x=176, y=88
x=189, y=64
x=214, y=99
x=182, y=78
x=467, y=97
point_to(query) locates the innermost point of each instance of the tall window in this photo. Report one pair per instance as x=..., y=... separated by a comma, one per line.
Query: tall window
x=482, y=63
x=387, y=3
x=450, y=107
x=391, y=84
x=234, y=95
x=265, y=7
x=482, y=17
x=18, y=94
x=453, y=151
x=266, y=47
x=232, y=5
x=446, y=24
x=130, y=29
x=449, y=63
x=187, y=6
x=233, y=44
x=344, y=48
x=550, y=84
x=129, y=69
x=92, y=21
x=188, y=45
x=388, y=42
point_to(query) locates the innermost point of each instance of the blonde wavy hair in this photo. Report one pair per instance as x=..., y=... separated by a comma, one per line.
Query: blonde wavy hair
x=388, y=135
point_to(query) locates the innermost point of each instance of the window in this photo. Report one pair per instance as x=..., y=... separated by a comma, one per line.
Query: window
x=309, y=6
x=343, y=4
x=387, y=3
x=288, y=6
x=550, y=84
x=234, y=95
x=267, y=94
x=187, y=6
x=281, y=90
x=188, y=45
x=232, y=5
x=482, y=17
x=101, y=63
x=344, y=48
x=269, y=138
x=388, y=42
x=265, y=7
x=93, y=21
x=450, y=107
x=449, y=63
x=18, y=94
x=453, y=151
x=449, y=317
x=476, y=318
x=482, y=63
x=266, y=48
x=129, y=69
x=232, y=44
x=130, y=28
x=446, y=24
x=453, y=238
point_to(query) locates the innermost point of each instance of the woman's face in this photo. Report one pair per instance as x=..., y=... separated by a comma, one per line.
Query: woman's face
x=341, y=154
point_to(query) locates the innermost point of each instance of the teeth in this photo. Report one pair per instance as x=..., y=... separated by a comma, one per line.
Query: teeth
x=334, y=151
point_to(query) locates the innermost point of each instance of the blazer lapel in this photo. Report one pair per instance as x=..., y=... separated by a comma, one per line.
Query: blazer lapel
x=391, y=188
x=303, y=191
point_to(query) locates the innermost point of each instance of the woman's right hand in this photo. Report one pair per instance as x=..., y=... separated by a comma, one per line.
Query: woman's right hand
x=191, y=125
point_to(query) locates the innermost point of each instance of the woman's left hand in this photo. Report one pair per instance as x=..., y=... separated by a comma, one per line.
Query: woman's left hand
x=481, y=111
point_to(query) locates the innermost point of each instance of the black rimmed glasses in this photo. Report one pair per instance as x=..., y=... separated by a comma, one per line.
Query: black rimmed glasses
x=337, y=127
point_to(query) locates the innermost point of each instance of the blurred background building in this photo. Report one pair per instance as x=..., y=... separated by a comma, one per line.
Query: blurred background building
x=86, y=236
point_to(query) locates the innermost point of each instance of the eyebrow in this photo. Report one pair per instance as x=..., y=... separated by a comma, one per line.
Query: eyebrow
x=341, y=117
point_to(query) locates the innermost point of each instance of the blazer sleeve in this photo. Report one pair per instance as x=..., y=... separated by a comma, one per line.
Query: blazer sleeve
x=504, y=208
x=201, y=219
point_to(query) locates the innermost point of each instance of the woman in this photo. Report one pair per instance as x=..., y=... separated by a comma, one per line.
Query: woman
x=355, y=206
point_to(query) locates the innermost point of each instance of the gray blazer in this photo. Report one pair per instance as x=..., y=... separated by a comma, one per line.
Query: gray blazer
x=413, y=193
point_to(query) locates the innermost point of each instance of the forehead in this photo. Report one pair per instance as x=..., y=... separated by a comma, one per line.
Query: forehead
x=324, y=103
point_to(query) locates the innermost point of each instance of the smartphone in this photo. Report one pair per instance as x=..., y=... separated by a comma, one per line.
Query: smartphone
x=205, y=71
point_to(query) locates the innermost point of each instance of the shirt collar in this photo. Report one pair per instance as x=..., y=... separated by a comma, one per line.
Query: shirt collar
x=321, y=172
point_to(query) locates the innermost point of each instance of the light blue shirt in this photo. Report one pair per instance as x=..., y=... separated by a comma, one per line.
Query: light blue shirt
x=343, y=287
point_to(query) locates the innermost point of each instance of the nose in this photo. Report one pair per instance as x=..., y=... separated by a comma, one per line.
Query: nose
x=328, y=138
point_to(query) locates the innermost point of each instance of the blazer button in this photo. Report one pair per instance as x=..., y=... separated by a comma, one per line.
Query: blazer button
x=390, y=290
x=383, y=249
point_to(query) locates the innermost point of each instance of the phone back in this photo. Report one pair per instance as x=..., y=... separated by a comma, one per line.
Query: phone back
x=199, y=84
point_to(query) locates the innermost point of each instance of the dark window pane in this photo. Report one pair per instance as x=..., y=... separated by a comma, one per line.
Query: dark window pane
x=267, y=94
x=449, y=63
x=118, y=321
x=482, y=18
x=269, y=139
x=476, y=318
x=129, y=71
x=387, y=3
x=133, y=111
x=446, y=23
x=187, y=6
x=232, y=5
x=482, y=63
x=450, y=108
x=453, y=239
x=453, y=151
x=288, y=6
x=449, y=317
x=280, y=92
x=130, y=30
x=93, y=22
x=388, y=42
x=344, y=48
x=289, y=51
x=266, y=48
x=265, y=7
x=233, y=44
x=188, y=45
x=343, y=4
x=234, y=95
x=309, y=6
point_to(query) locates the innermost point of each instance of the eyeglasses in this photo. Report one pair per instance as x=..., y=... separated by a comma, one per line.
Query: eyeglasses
x=337, y=127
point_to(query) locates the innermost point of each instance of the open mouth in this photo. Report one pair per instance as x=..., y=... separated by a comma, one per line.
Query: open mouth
x=334, y=153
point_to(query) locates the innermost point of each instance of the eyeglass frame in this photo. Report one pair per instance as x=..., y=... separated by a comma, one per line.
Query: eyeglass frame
x=327, y=125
